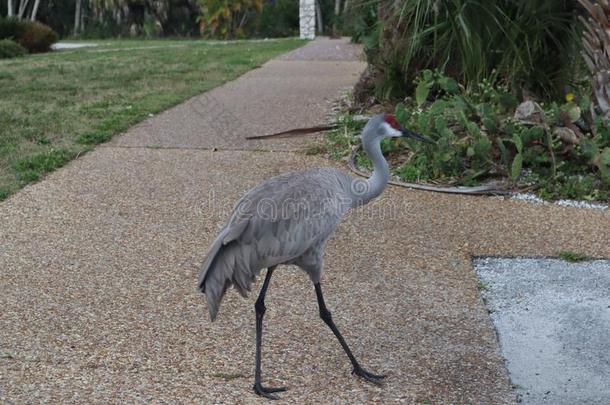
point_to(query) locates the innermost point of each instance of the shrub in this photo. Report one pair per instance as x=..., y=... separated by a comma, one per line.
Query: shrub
x=10, y=49
x=37, y=37
x=360, y=23
x=227, y=19
x=528, y=44
x=11, y=27
x=32, y=35
x=480, y=138
x=278, y=19
x=106, y=28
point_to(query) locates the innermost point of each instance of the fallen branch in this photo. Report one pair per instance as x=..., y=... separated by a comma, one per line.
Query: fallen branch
x=297, y=131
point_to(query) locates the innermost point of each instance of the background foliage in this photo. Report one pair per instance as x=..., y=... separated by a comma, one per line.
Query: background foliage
x=464, y=71
x=96, y=19
x=10, y=49
x=30, y=35
x=227, y=18
x=529, y=44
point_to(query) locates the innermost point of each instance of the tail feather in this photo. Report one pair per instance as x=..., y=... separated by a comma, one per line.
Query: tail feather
x=215, y=284
x=224, y=266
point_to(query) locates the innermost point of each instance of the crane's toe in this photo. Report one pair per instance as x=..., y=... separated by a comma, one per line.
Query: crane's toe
x=266, y=392
x=368, y=376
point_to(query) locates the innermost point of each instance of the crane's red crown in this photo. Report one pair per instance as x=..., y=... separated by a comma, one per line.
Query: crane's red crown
x=390, y=119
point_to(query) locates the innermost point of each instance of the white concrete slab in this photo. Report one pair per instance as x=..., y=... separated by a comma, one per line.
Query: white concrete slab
x=553, y=323
x=70, y=45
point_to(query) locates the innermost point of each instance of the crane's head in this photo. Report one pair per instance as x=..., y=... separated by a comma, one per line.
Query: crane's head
x=387, y=126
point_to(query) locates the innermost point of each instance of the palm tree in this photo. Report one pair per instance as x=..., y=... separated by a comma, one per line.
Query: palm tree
x=596, y=52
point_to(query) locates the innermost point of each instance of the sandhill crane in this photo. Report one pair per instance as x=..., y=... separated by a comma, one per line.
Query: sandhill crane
x=287, y=220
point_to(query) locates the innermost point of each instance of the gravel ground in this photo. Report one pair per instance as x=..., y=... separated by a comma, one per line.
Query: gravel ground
x=327, y=49
x=292, y=91
x=552, y=318
x=532, y=198
x=99, y=262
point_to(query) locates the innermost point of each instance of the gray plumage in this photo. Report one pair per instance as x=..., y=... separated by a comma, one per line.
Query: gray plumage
x=285, y=220
x=288, y=219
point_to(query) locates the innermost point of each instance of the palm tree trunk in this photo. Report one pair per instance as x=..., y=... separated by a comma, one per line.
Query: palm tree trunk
x=335, y=32
x=77, y=16
x=596, y=52
x=23, y=4
x=83, y=12
x=319, y=21
x=34, y=10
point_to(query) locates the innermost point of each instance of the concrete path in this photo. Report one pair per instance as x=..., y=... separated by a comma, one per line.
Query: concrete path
x=60, y=46
x=552, y=319
x=293, y=91
x=98, y=269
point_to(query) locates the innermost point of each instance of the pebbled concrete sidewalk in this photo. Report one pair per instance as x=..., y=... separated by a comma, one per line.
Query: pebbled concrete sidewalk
x=293, y=91
x=98, y=269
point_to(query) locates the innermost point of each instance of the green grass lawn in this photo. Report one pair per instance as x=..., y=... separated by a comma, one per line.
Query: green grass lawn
x=55, y=106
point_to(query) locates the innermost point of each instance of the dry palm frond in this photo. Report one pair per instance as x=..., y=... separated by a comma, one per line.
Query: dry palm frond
x=596, y=41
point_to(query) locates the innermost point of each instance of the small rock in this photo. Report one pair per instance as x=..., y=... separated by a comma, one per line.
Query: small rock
x=566, y=135
x=530, y=112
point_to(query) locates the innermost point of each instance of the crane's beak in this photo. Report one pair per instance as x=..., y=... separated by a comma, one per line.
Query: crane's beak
x=407, y=133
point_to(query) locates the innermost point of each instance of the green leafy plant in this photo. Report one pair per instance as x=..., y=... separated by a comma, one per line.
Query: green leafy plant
x=278, y=18
x=37, y=37
x=32, y=35
x=517, y=42
x=483, y=286
x=227, y=18
x=361, y=22
x=10, y=49
x=571, y=256
x=149, y=27
x=478, y=139
x=11, y=27
x=517, y=165
x=340, y=141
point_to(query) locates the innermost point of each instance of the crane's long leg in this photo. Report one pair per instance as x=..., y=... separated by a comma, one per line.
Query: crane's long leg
x=260, y=311
x=327, y=318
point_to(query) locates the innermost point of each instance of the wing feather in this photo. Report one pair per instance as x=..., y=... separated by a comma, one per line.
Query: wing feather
x=274, y=223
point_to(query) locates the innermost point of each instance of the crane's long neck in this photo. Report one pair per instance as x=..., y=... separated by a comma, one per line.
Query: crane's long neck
x=375, y=184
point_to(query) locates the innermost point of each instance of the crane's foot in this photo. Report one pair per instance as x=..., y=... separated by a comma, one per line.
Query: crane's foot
x=267, y=391
x=367, y=376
